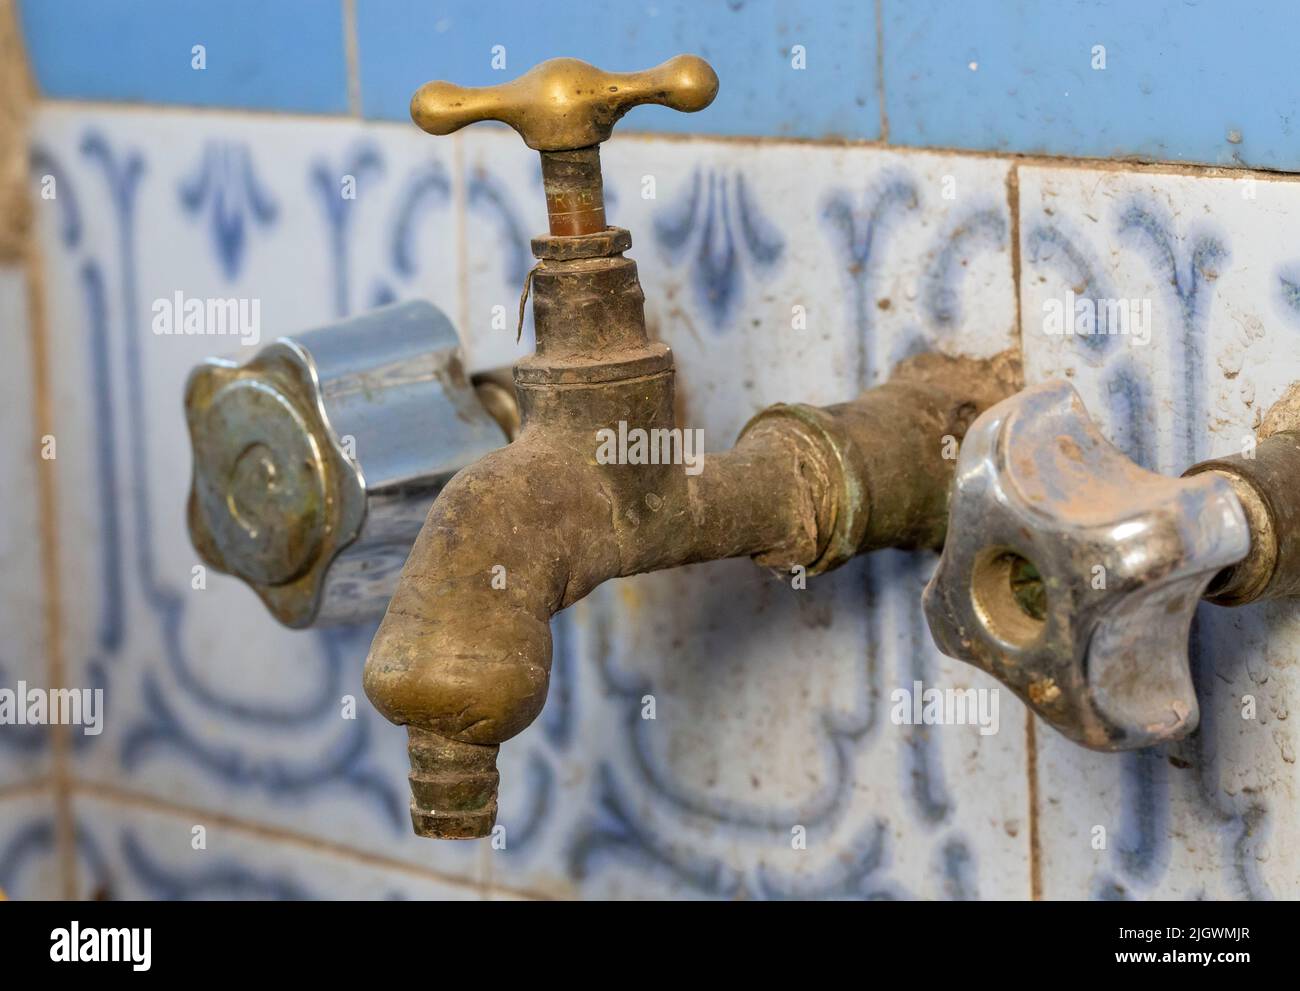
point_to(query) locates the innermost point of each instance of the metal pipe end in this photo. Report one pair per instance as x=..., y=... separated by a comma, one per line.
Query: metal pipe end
x=453, y=786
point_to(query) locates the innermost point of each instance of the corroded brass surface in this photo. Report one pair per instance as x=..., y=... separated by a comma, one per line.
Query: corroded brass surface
x=453, y=786
x=1268, y=485
x=466, y=659
x=1267, y=482
x=884, y=451
x=15, y=101
x=565, y=104
x=575, y=193
x=463, y=656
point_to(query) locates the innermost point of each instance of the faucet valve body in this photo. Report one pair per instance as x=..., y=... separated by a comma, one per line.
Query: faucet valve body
x=464, y=661
x=465, y=665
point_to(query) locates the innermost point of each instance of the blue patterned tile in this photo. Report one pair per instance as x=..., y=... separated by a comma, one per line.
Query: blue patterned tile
x=132, y=853
x=772, y=706
x=29, y=857
x=1213, y=816
x=405, y=43
x=1181, y=81
x=287, y=55
x=209, y=702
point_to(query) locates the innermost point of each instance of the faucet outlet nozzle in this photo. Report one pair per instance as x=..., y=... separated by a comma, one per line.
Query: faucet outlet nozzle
x=453, y=786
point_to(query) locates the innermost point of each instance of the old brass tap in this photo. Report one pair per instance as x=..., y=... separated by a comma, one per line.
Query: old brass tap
x=462, y=660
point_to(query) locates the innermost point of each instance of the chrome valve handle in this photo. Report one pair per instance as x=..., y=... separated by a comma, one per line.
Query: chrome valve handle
x=315, y=462
x=1071, y=574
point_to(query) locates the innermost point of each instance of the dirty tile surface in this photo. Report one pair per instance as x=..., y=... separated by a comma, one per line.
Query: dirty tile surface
x=711, y=732
x=133, y=853
x=212, y=705
x=1214, y=816
x=30, y=867
x=813, y=271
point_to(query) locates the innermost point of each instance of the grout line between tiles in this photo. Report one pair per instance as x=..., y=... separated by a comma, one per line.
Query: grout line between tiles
x=1013, y=211
x=22, y=789
x=1031, y=730
x=461, y=185
x=125, y=796
x=1146, y=166
x=51, y=585
x=21, y=102
x=880, y=71
x=1035, y=845
x=351, y=53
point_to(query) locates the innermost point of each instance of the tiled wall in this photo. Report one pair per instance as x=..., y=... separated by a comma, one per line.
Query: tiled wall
x=772, y=706
x=1165, y=80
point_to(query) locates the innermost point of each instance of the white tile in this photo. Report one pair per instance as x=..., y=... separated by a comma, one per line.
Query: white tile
x=29, y=856
x=132, y=853
x=1214, y=816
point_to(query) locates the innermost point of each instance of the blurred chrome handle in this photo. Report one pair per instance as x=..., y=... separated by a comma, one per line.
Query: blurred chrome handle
x=315, y=462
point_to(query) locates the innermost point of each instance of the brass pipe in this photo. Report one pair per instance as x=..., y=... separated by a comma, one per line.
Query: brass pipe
x=575, y=192
x=1263, y=482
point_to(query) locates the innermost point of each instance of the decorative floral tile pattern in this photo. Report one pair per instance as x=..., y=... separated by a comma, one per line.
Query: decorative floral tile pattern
x=135, y=853
x=1211, y=260
x=29, y=858
x=215, y=708
x=776, y=273
x=210, y=704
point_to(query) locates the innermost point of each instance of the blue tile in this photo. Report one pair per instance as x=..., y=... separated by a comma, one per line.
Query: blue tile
x=404, y=43
x=286, y=55
x=1180, y=78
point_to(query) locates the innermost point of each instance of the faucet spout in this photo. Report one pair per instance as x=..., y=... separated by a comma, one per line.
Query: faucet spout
x=463, y=655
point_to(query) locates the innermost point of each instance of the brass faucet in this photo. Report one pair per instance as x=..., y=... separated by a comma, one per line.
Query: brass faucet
x=463, y=655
